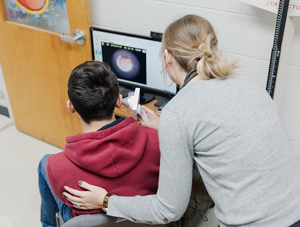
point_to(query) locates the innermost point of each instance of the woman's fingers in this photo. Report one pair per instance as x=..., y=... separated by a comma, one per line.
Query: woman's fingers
x=71, y=198
x=74, y=196
x=77, y=202
x=153, y=119
x=148, y=111
x=74, y=191
x=85, y=185
x=80, y=206
x=89, y=199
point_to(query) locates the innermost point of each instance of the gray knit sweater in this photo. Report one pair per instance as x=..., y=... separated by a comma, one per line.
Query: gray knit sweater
x=232, y=130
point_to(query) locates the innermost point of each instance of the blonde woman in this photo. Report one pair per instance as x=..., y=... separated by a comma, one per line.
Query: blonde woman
x=224, y=122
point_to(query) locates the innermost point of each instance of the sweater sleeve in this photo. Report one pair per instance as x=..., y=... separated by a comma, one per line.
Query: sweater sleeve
x=175, y=179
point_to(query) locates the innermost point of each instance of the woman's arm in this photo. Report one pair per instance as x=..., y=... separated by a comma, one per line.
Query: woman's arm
x=175, y=180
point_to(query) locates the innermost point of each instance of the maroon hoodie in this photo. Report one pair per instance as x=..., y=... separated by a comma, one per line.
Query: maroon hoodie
x=123, y=159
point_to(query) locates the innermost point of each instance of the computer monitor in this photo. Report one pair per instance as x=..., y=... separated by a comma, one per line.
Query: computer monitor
x=135, y=61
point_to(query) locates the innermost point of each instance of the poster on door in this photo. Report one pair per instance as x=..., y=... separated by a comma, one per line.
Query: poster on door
x=47, y=14
x=272, y=6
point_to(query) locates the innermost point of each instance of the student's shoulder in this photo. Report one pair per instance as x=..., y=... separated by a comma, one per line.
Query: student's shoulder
x=150, y=131
x=152, y=144
x=57, y=164
x=56, y=158
x=152, y=135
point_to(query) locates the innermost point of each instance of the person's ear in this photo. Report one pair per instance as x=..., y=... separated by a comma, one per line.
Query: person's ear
x=70, y=107
x=168, y=58
x=119, y=101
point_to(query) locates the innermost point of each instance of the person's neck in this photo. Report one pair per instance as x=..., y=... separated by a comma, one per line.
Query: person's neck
x=95, y=125
x=196, y=78
x=182, y=74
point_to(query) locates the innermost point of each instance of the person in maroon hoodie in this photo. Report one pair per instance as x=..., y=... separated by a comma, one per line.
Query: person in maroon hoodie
x=118, y=153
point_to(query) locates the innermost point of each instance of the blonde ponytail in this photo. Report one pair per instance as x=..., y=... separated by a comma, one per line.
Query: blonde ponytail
x=193, y=43
x=213, y=64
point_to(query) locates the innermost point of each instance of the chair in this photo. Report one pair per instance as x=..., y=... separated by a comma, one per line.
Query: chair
x=98, y=220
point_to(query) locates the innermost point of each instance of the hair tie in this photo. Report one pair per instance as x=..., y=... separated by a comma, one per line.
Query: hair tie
x=202, y=55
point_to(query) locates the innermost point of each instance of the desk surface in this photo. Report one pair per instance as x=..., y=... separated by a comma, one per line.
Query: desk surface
x=123, y=111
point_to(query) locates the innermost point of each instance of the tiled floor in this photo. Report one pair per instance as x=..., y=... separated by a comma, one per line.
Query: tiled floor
x=19, y=158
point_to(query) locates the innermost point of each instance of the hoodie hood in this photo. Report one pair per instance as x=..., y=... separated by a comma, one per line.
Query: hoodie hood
x=111, y=152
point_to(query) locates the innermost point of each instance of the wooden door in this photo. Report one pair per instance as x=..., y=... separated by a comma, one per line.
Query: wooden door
x=36, y=66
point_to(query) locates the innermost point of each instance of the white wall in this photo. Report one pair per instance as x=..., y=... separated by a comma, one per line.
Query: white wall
x=244, y=32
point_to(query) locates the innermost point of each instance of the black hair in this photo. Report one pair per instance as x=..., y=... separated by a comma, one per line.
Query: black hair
x=93, y=90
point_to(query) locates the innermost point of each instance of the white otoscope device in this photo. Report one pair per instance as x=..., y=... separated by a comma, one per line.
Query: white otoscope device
x=133, y=103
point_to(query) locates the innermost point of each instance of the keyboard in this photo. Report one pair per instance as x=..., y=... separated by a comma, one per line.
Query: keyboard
x=162, y=102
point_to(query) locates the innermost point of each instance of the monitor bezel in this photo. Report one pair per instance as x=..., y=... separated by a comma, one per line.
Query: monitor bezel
x=128, y=84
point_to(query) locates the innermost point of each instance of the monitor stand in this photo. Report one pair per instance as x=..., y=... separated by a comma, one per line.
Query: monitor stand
x=144, y=97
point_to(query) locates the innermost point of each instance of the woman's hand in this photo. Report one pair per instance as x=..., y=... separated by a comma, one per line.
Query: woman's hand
x=90, y=199
x=153, y=119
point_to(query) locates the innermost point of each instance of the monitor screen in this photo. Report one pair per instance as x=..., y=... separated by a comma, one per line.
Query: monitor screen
x=133, y=58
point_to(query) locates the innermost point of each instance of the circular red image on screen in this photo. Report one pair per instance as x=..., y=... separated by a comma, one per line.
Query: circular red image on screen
x=125, y=63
